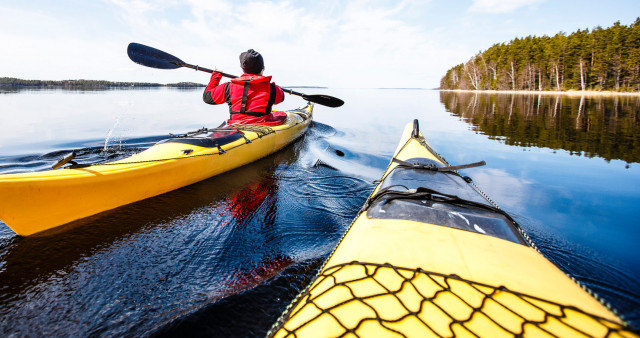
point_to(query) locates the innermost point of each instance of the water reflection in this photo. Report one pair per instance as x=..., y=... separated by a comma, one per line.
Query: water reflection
x=244, y=203
x=607, y=127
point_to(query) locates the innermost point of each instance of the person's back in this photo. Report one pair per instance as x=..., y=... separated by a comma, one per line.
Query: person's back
x=251, y=96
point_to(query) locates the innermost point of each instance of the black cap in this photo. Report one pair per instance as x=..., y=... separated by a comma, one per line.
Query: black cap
x=251, y=62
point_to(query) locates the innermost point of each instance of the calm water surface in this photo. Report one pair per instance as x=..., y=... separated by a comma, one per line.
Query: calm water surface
x=225, y=256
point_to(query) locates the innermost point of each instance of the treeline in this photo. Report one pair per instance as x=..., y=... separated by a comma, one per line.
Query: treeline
x=607, y=127
x=185, y=85
x=600, y=59
x=85, y=84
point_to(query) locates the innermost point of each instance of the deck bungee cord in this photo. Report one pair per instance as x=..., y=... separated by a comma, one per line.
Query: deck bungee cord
x=478, y=300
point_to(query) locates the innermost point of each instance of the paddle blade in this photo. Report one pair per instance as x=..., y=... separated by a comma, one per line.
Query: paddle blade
x=151, y=57
x=324, y=100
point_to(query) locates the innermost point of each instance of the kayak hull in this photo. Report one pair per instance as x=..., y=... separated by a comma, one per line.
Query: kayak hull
x=35, y=202
x=390, y=276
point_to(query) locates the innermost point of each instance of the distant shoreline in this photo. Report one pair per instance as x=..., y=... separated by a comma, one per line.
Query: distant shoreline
x=15, y=83
x=547, y=92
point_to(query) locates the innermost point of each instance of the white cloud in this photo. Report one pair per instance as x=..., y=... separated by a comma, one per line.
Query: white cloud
x=501, y=6
x=360, y=44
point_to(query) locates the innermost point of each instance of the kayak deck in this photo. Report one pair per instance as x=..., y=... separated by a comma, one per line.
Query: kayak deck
x=39, y=201
x=429, y=255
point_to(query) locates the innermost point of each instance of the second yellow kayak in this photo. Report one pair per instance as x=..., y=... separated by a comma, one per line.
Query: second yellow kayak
x=429, y=255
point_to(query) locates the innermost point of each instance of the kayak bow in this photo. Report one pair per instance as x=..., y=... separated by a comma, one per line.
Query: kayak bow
x=39, y=201
x=430, y=255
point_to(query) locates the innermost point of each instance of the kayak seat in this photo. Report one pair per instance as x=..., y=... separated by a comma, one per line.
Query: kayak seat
x=209, y=138
x=439, y=211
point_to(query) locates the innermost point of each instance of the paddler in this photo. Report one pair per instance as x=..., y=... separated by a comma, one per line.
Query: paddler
x=251, y=96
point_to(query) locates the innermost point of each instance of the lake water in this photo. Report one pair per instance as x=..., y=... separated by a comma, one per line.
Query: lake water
x=212, y=259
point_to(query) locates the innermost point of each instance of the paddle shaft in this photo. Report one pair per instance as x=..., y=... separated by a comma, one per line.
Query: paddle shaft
x=186, y=65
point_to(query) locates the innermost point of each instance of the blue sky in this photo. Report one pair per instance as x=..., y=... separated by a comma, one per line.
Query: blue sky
x=346, y=44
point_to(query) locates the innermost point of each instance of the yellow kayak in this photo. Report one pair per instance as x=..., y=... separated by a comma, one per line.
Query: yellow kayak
x=34, y=202
x=430, y=255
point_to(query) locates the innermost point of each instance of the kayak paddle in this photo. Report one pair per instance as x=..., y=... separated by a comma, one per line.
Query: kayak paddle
x=155, y=58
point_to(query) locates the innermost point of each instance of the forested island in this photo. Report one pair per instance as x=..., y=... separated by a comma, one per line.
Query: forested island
x=13, y=83
x=603, y=59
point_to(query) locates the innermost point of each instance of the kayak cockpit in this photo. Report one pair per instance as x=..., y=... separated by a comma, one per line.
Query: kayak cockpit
x=441, y=198
x=207, y=138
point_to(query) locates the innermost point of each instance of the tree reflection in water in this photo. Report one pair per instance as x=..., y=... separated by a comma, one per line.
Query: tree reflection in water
x=603, y=126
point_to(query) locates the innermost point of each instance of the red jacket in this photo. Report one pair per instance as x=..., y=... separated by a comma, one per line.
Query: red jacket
x=261, y=96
